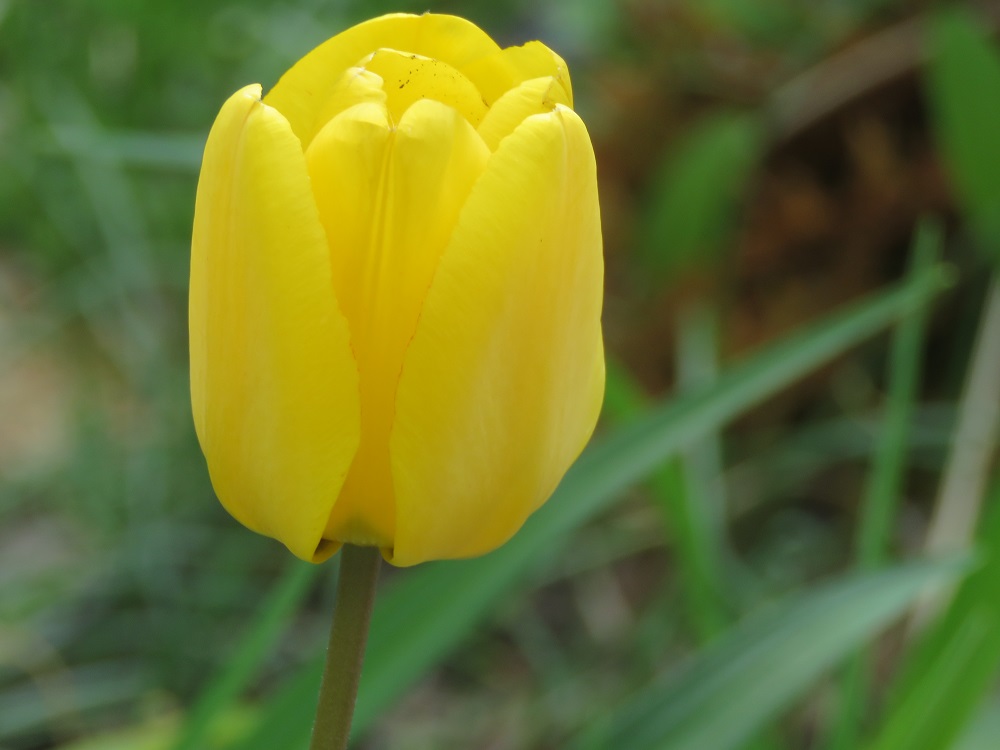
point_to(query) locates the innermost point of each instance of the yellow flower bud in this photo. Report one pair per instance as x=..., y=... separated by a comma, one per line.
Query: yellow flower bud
x=396, y=284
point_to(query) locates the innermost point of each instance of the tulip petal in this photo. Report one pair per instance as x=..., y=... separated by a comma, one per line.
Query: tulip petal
x=408, y=77
x=355, y=86
x=274, y=385
x=535, y=60
x=502, y=384
x=532, y=97
x=389, y=199
x=302, y=91
x=511, y=66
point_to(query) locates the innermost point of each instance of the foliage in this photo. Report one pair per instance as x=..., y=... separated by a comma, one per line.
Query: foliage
x=716, y=571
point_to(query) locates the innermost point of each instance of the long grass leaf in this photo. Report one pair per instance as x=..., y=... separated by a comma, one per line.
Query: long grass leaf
x=692, y=202
x=952, y=669
x=882, y=492
x=964, y=94
x=731, y=690
x=240, y=667
x=681, y=489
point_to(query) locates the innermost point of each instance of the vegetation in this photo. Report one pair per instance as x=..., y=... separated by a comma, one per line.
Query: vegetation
x=784, y=535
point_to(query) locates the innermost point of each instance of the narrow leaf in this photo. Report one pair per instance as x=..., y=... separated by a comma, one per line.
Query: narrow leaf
x=953, y=667
x=731, y=690
x=882, y=491
x=692, y=202
x=964, y=94
x=241, y=666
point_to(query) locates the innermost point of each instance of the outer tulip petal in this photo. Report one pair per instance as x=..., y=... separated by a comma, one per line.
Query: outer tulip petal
x=304, y=88
x=533, y=97
x=274, y=384
x=503, y=381
x=389, y=199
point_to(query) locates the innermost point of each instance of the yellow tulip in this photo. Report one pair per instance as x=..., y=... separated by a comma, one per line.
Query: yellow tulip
x=396, y=285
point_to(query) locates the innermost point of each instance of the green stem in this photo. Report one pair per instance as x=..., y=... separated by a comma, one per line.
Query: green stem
x=346, y=652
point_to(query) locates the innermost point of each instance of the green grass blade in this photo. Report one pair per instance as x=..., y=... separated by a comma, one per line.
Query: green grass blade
x=733, y=688
x=692, y=202
x=436, y=606
x=983, y=730
x=162, y=151
x=255, y=647
x=953, y=668
x=687, y=526
x=698, y=564
x=285, y=721
x=882, y=493
x=698, y=507
x=964, y=96
x=692, y=516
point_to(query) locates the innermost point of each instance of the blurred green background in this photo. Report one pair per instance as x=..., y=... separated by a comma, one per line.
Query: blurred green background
x=798, y=412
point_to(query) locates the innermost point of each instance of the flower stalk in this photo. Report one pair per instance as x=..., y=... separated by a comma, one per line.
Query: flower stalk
x=346, y=651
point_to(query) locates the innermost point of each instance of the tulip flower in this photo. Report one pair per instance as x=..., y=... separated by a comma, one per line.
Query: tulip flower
x=396, y=285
